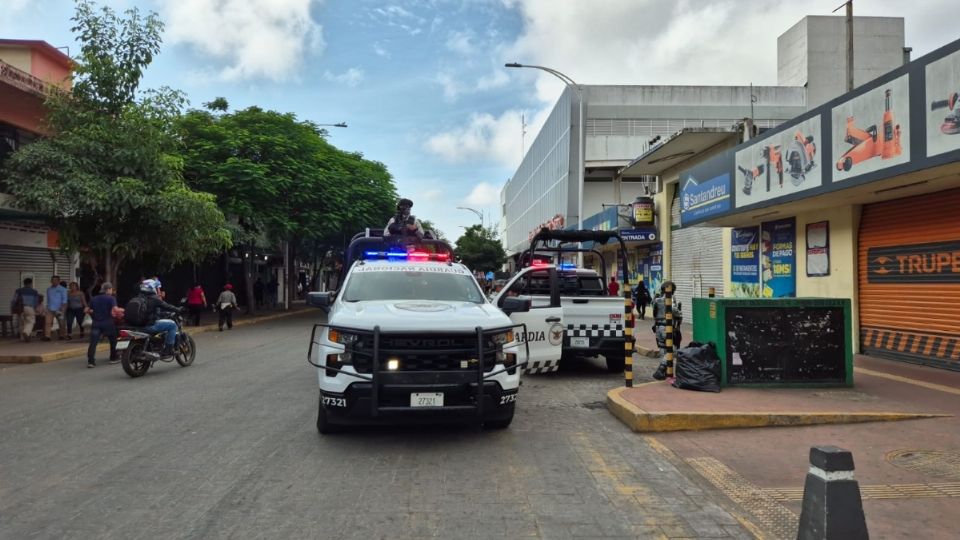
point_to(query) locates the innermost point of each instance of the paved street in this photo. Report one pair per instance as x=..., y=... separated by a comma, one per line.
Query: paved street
x=228, y=449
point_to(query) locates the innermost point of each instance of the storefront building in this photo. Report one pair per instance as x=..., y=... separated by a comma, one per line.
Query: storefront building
x=28, y=248
x=854, y=199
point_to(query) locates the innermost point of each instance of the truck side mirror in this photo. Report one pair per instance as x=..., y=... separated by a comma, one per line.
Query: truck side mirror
x=516, y=304
x=321, y=300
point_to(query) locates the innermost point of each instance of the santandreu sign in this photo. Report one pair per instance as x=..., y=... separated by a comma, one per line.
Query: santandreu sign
x=937, y=262
x=701, y=200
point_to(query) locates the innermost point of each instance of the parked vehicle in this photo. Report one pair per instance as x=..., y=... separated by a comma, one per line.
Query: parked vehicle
x=593, y=320
x=139, y=350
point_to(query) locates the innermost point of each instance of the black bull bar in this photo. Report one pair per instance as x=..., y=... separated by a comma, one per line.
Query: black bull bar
x=375, y=372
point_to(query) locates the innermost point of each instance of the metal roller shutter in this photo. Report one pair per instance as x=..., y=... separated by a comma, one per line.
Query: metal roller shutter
x=696, y=261
x=899, y=317
x=13, y=261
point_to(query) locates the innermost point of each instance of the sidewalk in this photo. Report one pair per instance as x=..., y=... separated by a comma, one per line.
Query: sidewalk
x=14, y=351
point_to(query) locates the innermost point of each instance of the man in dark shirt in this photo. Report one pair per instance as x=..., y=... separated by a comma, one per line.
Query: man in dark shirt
x=101, y=311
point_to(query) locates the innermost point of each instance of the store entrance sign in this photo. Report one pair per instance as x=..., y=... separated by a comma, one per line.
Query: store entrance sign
x=937, y=262
x=701, y=200
x=640, y=234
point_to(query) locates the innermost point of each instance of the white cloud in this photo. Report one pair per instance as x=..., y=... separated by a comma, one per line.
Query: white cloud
x=487, y=138
x=399, y=17
x=255, y=39
x=451, y=87
x=350, y=77
x=495, y=79
x=461, y=43
x=380, y=50
x=484, y=194
x=432, y=195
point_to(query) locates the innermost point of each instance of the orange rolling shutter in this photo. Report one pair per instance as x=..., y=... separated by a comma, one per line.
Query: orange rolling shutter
x=909, y=274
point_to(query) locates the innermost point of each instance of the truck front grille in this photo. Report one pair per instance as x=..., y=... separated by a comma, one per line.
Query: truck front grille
x=430, y=352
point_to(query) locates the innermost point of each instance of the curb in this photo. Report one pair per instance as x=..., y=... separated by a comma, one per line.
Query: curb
x=104, y=347
x=640, y=420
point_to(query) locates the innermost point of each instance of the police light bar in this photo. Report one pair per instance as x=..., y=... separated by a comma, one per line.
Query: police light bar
x=567, y=266
x=538, y=263
x=413, y=256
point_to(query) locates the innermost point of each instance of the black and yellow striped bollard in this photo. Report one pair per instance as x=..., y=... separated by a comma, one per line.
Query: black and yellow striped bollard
x=627, y=334
x=667, y=290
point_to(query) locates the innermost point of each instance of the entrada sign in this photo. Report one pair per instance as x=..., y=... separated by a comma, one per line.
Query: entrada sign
x=937, y=262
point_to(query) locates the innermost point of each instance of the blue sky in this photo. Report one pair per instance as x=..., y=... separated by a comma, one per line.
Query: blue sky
x=421, y=83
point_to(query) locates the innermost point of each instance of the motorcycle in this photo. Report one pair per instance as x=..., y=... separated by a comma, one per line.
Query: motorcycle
x=140, y=350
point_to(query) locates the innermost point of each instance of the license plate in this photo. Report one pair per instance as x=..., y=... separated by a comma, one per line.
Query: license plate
x=428, y=399
x=122, y=345
x=579, y=342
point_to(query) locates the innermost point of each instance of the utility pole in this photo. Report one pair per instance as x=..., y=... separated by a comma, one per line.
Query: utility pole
x=523, y=136
x=849, y=6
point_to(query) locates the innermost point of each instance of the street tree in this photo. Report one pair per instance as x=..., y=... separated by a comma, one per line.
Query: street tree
x=109, y=178
x=479, y=249
x=278, y=180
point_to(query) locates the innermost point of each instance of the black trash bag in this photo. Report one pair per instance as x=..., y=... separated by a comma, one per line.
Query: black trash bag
x=661, y=373
x=697, y=368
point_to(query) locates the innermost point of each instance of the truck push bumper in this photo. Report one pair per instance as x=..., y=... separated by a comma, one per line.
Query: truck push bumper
x=356, y=405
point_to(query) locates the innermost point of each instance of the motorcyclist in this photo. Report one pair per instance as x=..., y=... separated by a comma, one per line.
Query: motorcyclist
x=156, y=308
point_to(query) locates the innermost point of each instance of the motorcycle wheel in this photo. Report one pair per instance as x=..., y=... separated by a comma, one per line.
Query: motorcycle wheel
x=186, y=351
x=133, y=362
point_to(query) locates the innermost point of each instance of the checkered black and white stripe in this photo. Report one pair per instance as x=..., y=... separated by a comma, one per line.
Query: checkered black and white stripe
x=595, y=330
x=546, y=366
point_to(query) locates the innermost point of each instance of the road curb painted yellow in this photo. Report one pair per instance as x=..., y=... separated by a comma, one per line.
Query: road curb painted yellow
x=639, y=420
x=104, y=347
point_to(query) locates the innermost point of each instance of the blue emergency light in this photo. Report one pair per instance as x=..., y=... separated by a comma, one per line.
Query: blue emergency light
x=567, y=266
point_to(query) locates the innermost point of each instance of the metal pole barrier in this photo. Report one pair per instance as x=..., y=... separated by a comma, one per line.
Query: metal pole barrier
x=667, y=289
x=627, y=328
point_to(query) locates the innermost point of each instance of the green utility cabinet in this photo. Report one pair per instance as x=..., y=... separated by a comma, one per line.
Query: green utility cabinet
x=778, y=342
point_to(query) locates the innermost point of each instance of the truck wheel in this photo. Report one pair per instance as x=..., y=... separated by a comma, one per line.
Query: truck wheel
x=323, y=423
x=615, y=364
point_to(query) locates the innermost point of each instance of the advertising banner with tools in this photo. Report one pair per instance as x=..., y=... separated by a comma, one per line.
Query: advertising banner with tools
x=784, y=163
x=872, y=131
x=943, y=104
x=778, y=241
x=745, y=262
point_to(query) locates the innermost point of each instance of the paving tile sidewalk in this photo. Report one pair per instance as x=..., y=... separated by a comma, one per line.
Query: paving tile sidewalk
x=13, y=351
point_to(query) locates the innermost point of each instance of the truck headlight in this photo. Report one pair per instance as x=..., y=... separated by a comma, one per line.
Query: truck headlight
x=503, y=338
x=344, y=338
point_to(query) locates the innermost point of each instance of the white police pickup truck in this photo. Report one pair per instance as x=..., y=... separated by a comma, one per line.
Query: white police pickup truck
x=410, y=337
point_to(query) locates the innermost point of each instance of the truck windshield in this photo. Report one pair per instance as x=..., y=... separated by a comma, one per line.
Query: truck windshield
x=412, y=285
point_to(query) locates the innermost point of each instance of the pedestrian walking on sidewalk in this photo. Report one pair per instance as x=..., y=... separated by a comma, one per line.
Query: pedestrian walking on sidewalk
x=101, y=311
x=56, y=308
x=25, y=302
x=76, y=307
x=613, y=287
x=196, y=302
x=226, y=304
x=641, y=297
x=272, y=288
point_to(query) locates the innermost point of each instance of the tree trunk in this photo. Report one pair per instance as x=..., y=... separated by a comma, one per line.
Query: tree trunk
x=248, y=268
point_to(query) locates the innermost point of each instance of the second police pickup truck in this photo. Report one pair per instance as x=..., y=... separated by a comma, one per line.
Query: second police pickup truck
x=593, y=320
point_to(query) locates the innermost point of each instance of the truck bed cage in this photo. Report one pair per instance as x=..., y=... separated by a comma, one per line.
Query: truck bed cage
x=565, y=237
x=372, y=239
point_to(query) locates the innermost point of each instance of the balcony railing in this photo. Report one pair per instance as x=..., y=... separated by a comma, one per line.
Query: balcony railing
x=22, y=80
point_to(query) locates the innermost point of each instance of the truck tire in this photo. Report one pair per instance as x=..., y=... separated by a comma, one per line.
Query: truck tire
x=324, y=426
x=615, y=364
x=502, y=423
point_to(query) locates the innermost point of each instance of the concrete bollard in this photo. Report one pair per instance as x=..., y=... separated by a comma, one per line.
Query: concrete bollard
x=832, y=508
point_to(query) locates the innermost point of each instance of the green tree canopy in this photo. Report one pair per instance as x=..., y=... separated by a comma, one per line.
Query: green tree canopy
x=278, y=179
x=109, y=179
x=479, y=249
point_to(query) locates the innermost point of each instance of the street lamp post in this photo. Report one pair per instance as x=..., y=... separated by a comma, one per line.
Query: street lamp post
x=582, y=146
x=477, y=212
x=338, y=124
